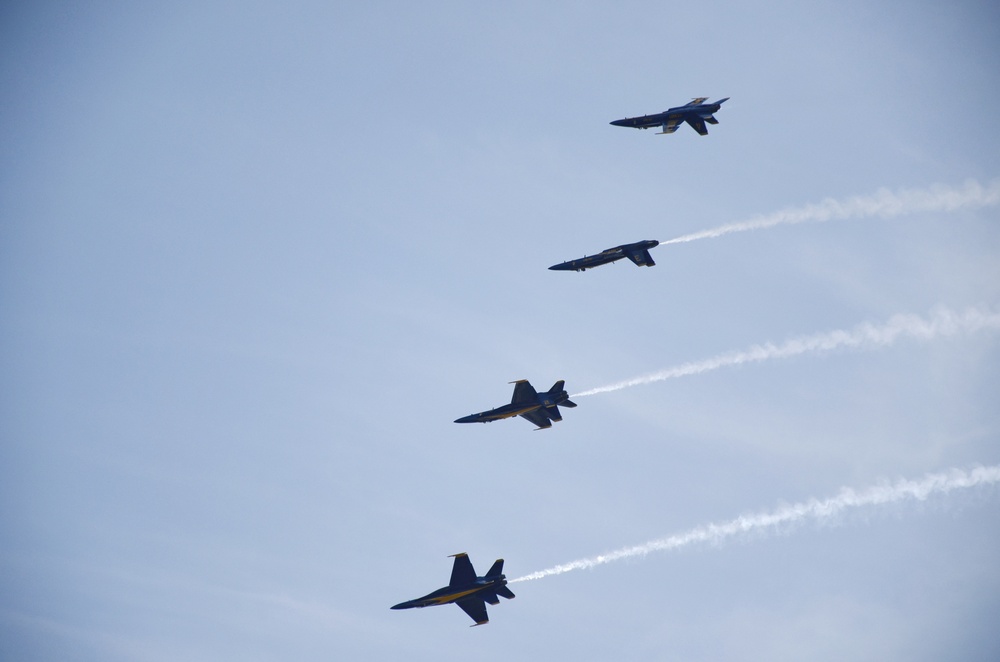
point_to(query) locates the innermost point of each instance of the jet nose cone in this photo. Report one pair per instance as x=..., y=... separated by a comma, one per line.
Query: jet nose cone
x=618, y=123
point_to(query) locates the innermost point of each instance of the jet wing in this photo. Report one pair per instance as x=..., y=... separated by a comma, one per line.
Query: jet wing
x=641, y=258
x=698, y=125
x=671, y=125
x=523, y=392
x=462, y=573
x=537, y=417
x=475, y=607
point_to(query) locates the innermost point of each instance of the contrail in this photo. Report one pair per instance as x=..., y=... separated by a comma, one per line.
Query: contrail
x=941, y=322
x=786, y=516
x=884, y=203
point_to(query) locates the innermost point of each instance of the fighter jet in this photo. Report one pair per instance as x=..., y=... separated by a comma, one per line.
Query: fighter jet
x=468, y=591
x=695, y=113
x=637, y=252
x=539, y=408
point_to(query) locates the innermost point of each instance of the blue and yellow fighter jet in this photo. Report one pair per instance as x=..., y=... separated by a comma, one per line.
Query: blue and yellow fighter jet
x=695, y=113
x=637, y=252
x=468, y=591
x=539, y=408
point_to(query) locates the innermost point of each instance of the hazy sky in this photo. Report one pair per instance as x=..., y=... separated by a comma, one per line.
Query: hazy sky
x=256, y=258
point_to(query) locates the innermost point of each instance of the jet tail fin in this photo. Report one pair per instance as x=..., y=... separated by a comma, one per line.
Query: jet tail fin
x=495, y=569
x=558, y=386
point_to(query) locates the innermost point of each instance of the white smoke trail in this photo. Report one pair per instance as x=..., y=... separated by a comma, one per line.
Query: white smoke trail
x=884, y=203
x=788, y=515
x=941, y=322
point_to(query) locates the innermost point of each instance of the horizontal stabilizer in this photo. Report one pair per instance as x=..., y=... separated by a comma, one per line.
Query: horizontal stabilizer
x=505, y=592
x=567, y=403
x=491, y=598
x=553, y=413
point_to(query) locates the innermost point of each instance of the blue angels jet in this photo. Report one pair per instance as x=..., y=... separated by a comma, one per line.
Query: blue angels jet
x=695, y=113
x=468, y=591
x=637, y=252
x=539, y=408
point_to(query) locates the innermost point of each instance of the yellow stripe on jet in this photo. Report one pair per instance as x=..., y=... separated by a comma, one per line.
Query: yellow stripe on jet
x=445, y=599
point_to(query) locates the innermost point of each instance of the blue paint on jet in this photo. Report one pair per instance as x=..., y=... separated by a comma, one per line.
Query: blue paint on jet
x=539, y=408
x=637, y=252
x=468, y=591
x=696, y=113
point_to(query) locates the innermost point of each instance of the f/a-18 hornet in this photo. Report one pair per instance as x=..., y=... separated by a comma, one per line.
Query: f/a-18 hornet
x=468, y=591
x=695, y=113
x=637, y=252
x=539, y=408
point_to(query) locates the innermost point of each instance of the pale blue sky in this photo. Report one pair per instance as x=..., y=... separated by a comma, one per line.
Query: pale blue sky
x=256, y=259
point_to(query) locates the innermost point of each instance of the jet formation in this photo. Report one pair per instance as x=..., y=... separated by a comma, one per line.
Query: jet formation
x=538, y=408
x=695, y=113
x=637, y=252
x=468, y=591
